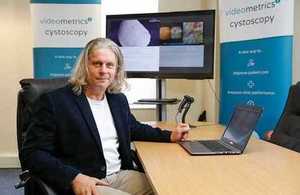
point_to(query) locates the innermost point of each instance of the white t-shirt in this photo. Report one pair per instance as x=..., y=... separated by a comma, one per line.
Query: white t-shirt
x=108, y=134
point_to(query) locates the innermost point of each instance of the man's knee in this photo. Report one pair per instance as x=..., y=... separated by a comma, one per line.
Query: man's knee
x=106, y=190
x=135, y=182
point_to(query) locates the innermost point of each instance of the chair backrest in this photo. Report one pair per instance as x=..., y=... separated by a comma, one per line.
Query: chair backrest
x=287, y=130
x=30, y=90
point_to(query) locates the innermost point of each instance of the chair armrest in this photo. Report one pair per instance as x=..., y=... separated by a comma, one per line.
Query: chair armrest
x=44, y=187
x=26, y=177
x=137, y=163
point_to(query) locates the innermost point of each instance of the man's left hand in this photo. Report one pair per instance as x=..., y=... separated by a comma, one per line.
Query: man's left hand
x=180, y=133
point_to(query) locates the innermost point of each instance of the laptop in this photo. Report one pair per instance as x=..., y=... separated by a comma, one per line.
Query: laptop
x=235, y=137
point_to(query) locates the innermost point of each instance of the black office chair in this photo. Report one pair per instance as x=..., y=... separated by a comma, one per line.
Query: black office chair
x=30, y=91
x=287, y=130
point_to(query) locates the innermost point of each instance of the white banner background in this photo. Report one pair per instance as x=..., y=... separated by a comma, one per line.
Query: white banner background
x=83, y=18
x=233, y=11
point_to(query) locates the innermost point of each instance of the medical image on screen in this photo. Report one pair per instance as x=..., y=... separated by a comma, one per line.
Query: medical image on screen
x=192, y=32
x=183, y=33
x=165, y=33
x=170, y=33
x=135, y=33
x=176, y=32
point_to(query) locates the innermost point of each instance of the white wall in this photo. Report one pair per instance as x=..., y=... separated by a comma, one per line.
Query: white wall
x=16, y=63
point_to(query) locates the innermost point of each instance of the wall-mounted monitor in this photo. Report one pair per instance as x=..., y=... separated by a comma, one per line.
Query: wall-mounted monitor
x=165, y=45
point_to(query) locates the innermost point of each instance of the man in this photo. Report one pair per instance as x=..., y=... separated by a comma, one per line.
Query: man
x=79, y=138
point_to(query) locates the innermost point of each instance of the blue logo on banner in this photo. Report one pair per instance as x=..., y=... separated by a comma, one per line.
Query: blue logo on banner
x=54, y=62
x=256, y=72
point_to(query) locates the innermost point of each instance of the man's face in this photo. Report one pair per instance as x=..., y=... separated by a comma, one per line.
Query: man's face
x=102, y=68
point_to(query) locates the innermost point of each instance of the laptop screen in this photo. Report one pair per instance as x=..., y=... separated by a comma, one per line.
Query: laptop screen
x=241, y=126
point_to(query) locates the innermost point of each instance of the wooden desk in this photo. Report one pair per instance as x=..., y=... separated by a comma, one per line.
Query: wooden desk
x=264, y=168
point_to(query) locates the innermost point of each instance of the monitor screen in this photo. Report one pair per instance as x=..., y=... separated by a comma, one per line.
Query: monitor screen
x=165, y=45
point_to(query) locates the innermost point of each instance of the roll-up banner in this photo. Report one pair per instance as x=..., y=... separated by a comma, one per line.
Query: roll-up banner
x=256, y=57
x=61, y=28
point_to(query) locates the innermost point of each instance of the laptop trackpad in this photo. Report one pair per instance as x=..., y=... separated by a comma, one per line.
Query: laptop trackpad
x=195, y=146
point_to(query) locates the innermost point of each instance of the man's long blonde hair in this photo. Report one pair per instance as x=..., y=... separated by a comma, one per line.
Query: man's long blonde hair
x=80, y=72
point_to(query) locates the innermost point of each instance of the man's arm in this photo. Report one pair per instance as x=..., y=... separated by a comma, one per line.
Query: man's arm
x=143, y=132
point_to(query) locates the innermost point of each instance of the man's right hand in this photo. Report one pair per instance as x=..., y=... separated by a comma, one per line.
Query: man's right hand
x=85, y=185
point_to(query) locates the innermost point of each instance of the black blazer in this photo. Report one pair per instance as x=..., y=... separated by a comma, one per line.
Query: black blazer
x=63, y=138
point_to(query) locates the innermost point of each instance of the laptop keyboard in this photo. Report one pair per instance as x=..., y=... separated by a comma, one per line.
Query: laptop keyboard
x=214, y=146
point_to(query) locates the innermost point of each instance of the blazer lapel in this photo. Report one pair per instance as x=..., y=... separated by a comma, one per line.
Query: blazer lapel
x=86, y=111
x=117, y=116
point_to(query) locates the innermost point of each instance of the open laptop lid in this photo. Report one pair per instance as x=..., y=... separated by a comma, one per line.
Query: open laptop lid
x=241, y=125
